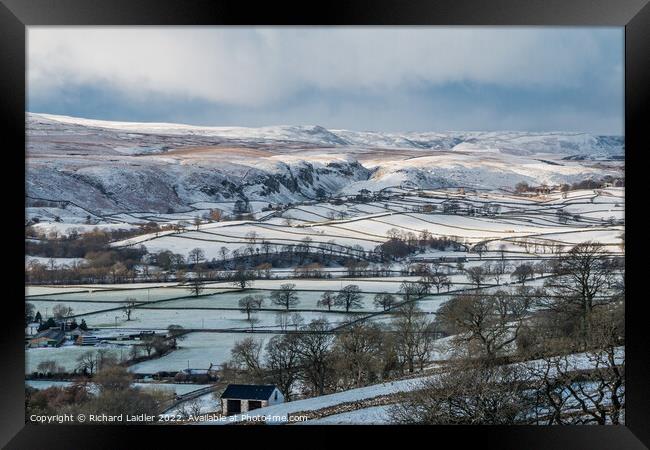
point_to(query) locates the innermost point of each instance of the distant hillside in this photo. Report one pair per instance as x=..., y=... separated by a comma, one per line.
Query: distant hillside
x=110, y=167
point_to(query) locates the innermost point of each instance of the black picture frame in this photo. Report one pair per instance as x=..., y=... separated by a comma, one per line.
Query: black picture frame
x=634, y=15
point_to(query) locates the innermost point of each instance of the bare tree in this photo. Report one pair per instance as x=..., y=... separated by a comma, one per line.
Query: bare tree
x=61, y=311
x=314, y=348
x=154, y=342
x=572, y=392
x=468, y=395
x=286, y=296
x=384, y=300
x=134, y=352
x=412, y=329
x=29, y=312
x=46, y=367
x=583, y=276
x=439, y=280
x=413, y=291
x=327, y=299
x=282, y=320
x=480, y=248
x=246, y=355
x=176, y=333
x=283, y=362
x=523, y=272
x=87, y=362
x=196, y=255
x=250, y=304
x=105, y=358
x=191, y=408
x=297, y=320
x=349, y=297
x=242, y=278
x=267, y=247
x=253, y=321
x=223, y=251
x=499, y=269
x=357, y=350
x=541, y=268
x=476, y=275
x=196, y=282
x=484, y=324
x=129, y=305
x=252, y=237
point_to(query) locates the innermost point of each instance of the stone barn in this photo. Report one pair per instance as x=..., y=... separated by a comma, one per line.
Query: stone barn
x=241, y=398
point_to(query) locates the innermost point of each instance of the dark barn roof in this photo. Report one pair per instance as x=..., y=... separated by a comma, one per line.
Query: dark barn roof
x=249, y=391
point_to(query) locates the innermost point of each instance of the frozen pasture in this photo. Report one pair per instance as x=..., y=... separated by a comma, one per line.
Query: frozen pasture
x=197, y=351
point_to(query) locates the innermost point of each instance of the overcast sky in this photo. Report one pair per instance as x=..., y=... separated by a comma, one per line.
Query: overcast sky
x=360, y=78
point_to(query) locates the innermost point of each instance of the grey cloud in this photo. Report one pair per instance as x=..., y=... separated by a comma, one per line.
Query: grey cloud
x=244, y=66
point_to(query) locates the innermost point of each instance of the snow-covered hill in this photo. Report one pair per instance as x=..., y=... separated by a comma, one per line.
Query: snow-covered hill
x=509, y=142
x=112, y=167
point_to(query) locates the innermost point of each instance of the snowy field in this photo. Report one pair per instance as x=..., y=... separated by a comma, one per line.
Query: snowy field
x=588, y=215
x=335, y=192
x=64, y=356
x=592, y=215
x=196, y=319
x=119, y=295
x=306, y=300
x=34, y=291
x=197, y=351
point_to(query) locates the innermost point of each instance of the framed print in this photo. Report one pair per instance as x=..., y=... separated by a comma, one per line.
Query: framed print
x=387, y=218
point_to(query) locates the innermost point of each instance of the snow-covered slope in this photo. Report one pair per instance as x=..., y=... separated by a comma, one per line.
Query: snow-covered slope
x=112, y=167
x=279, y=414
x=509, y=142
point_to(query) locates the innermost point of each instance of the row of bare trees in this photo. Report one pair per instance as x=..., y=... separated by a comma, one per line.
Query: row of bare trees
x=316, y=359
x=553, y=354
x=556, y=387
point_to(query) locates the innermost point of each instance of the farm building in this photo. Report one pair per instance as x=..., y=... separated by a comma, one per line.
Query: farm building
x=85, y=338
x=241, y=398
x=74, y=334
x=47, y=338
x=209, y=374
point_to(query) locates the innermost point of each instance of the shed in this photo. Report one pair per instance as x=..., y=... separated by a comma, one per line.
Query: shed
x=209, y=374
x=81, y=337
x=47, y=338
x=241, y=398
